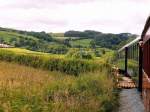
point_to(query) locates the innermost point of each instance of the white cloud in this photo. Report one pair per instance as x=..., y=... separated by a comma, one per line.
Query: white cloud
x=60, y=15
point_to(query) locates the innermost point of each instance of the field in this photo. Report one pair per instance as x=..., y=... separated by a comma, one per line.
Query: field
x=57, y=84
x=57, y=34
x=42, y=82
x=25, y=89
x=29, y=52
x=59, y=72
x=10, y=36
x=81, y=42
x=52, y=62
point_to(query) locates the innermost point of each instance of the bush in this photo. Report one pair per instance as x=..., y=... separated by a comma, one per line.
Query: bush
x=59, y=49
x=69, y=66
x=78, y=54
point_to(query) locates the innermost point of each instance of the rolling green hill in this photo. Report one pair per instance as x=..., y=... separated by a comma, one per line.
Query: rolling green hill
x=106, y=40
x=36, y=41
x=60, y=43
x=66, y=78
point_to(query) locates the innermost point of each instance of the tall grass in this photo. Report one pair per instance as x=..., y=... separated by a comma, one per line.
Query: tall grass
x=52, y=63
x=25, y=89
x=132, y=67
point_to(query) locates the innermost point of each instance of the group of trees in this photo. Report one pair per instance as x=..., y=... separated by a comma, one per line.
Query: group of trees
x=42, y=41
x=40, y=35
x=106, y=40
x=85, y=34
x=36, y=41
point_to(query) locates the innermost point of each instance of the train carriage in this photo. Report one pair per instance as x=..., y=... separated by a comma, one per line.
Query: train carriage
x=146, y=65
x=139, y=50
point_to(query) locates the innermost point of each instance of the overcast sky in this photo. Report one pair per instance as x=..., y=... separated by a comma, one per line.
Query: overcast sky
x=113, y=16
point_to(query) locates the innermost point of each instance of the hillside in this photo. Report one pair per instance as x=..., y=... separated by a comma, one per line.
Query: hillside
x=107, y=40
x=59, y=43
x=36, y=41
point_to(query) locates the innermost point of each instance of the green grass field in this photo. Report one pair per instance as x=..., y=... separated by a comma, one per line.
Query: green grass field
x=10, y=35
x=81, y=42
x=57, y=34
x=25, y=89
x=51, y=62
x=41, y=82
x=29, y=52
x=108, y=53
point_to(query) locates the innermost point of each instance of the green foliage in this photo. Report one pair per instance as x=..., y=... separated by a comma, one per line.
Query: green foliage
x=36, y=41
x=112, y=41
x=57, y=34
x=81, y=43
x=132, y=67
x=80, y=54
x=69, y=66
x=32, y=90
x=40, y=35
x=40, y=41
x=58, y=49
x=85, y=34
x=98, y=53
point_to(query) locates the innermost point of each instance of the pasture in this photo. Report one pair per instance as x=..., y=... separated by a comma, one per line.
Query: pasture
x=25, y=89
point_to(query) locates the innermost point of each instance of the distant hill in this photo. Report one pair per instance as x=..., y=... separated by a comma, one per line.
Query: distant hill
x=36, y=41
x=61, y=42
x=107, y=40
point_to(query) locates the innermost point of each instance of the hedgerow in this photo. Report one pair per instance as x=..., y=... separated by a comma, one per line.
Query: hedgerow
x=69, y=66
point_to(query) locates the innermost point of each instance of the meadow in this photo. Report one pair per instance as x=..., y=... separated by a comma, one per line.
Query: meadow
x=42, y=82
x=26, y=89
x=81, y=42
x=58, y=72
x=53, y=62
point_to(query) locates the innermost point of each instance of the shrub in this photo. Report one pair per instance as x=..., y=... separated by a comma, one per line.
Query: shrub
x=80, y=54
x=69, y=66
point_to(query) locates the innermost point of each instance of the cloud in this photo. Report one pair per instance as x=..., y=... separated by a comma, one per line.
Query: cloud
x=60, y=15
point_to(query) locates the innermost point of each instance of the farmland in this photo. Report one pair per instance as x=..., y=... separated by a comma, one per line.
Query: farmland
x=28, y=89
x=56, y=72
x=54, y=62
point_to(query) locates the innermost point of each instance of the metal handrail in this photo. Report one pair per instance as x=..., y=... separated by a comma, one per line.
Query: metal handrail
x=129, y=44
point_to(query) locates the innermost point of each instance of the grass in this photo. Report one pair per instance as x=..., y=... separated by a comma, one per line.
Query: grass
x=132, y=67
x=57, y=34
x=81, y=42
x=9, y=35
x=61, y=38
x=25, y=89
x=51, y=62
x=29, y=52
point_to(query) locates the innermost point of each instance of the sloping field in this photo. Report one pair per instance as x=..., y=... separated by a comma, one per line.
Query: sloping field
x=29, y=52
x=8, y=36
x=81, y=42
x=53, y=62
x=25, y=89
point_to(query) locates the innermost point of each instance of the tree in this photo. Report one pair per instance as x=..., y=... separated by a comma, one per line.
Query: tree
x=93, y=44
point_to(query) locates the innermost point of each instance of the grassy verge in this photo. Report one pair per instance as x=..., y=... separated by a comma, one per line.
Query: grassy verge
x=25, y=89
